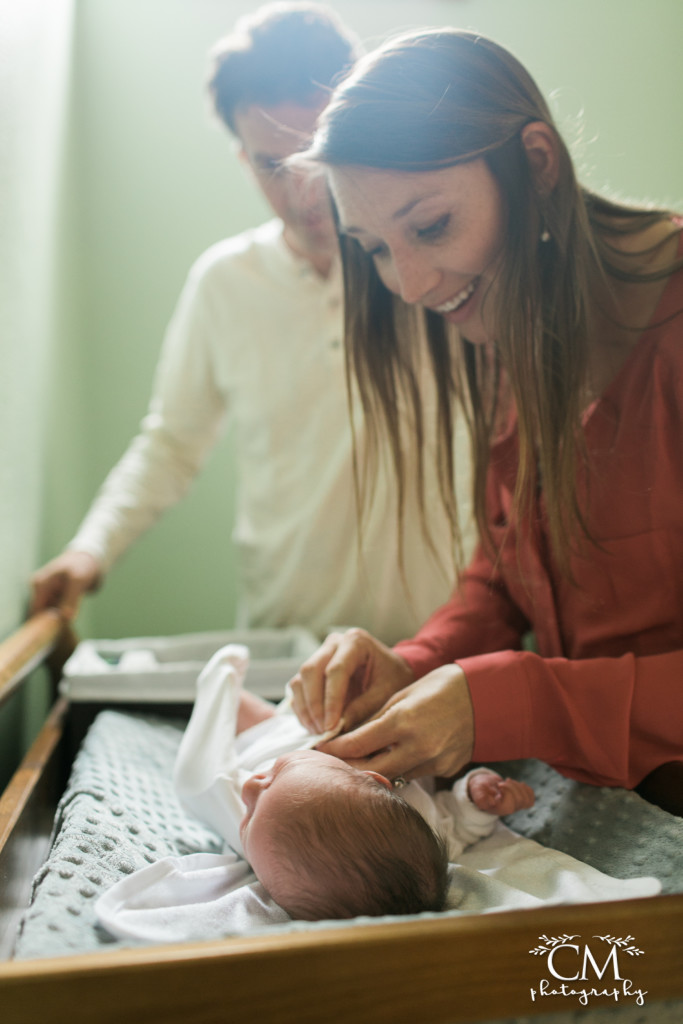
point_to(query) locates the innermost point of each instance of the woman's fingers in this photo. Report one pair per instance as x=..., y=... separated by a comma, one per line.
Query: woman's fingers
x=308, y=686
x=350, y=670
x=364, y=743
x=427, y=728
x=349, y=666
x=320, y=687
x=384, y=676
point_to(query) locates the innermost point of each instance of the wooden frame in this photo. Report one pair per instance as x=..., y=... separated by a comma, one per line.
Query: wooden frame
x=469, y=968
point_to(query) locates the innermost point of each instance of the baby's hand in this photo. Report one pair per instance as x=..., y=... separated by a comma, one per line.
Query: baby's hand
x=491, y=793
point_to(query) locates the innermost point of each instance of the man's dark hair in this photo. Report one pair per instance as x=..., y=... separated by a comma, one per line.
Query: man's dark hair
x=282, y=53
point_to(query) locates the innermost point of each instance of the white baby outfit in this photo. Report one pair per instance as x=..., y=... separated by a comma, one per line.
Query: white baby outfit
x=206, y=895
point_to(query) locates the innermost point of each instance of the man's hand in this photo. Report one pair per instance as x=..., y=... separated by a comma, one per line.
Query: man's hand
x=62, y=582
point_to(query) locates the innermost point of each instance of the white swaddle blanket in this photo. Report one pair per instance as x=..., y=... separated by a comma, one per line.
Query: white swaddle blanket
x=208, y=895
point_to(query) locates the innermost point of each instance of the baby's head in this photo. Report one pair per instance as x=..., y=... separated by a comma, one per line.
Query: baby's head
x=330, y=841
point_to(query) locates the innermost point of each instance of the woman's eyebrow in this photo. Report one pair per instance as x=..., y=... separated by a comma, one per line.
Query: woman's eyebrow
x=411, y=204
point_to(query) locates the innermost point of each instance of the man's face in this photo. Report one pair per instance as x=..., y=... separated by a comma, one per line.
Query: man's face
x=268, y=136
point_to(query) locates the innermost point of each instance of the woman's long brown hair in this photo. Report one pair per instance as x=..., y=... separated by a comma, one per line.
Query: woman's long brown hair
x=433, y=100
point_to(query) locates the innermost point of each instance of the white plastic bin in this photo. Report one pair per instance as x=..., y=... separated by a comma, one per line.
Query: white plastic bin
x=164, y=669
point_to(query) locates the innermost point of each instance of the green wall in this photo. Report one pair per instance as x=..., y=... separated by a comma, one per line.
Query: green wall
x=35, y=64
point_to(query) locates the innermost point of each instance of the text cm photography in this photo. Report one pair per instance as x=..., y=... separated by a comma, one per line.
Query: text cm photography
x=596, y=970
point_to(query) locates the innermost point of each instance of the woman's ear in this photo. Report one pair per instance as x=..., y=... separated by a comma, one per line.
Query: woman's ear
x=542, y=150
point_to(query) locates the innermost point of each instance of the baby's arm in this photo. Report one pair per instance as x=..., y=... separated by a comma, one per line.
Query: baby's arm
x=251, y=711
x=470, y=810
x=495, y=795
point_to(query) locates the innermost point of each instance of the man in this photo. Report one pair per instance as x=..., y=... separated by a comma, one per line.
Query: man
x=257, y=338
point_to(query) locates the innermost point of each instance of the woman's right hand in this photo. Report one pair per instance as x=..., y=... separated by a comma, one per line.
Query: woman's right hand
x=351, y=674
x=62, y=582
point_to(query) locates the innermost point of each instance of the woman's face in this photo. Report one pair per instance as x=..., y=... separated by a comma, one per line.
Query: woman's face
x=435, y=237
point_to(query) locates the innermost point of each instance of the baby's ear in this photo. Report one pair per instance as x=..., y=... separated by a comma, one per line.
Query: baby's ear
x=379, y=778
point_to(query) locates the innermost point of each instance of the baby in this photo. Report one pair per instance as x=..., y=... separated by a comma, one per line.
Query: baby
x=325, y=839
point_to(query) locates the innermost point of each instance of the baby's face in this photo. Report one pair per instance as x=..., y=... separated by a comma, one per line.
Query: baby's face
x=294, y=779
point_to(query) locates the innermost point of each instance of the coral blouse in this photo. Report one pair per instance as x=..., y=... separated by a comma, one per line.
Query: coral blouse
x=602, y=700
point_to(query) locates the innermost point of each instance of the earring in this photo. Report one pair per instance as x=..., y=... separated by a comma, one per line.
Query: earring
x=400, y=782
x=545, y=235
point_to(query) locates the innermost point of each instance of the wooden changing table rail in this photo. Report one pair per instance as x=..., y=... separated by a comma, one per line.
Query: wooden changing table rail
x=26, y=648
x=28, y=804
x=431, y=972
x=27, y=811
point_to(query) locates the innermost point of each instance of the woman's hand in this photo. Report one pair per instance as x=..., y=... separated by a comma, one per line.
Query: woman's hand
x=425, y=729
x=351, y=673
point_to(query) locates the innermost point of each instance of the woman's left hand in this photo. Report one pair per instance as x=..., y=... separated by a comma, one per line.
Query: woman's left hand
x=425, y=729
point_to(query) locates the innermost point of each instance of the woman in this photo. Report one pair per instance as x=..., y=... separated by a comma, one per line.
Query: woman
x=555, y=317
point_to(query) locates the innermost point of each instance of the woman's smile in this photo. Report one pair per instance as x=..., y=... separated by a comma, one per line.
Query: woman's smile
x=454, y=308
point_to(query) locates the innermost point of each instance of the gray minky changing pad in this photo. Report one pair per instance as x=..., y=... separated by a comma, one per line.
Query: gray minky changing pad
x=119, y=813
x=613, y=830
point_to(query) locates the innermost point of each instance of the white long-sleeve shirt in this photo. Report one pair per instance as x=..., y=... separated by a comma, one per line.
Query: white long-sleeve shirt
x=257, y=339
